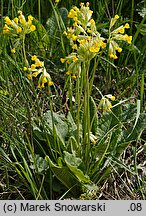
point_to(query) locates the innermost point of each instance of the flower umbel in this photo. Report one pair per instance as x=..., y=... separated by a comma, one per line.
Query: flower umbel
x=37, y=68
x=84, y=38
x=117, y=35
x=105, y=105
x=18, y=25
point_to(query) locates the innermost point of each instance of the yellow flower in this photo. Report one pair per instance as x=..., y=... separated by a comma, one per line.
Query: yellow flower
x=113, y=98
x=82, y=4
x=82, y=42
x=129, y=39
x=34, y=57
x=22, y=20
x=8, y=21
x=6, y=29
x=111, y=55
x=89, y=38
x=74, y=46
x=69, y=35
x=6, y=26
x=110, y=96
x=33, y=66
x=29, y=76
x=69, y=72
x=20, y=13
x=94, y=49
x=72, y=14
x=44, y=79
x=113, y=21
x=35, y=74
x=127, y=25
x=89, y=31
x=74, y=37
x=74, y=76
x=32, y=28
x=87, y=4
x=122, y=30
x=91, y=12
x=39, y=86
x=50, y=83
x=16, y=20
x=43, y=85
x=75, y=19
x=65, y=33
x=75, y=24
x=115, y=57
x=13, y=50
x=68, y=62
x=19, y=30
x=38, y=63
x=126, y=38
x=29, y=22
x=25, y=68
x=116, y=17
x=62, y=60
x=75, y=59
x=119, y=49
x=30, y=18
x=92, y=22
x=103, y=45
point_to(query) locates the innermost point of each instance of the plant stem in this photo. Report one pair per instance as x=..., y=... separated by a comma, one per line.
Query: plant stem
x=12, y=2
x=132, y=14
x=78, y=110
x=86, y=117
x=142, y=91
x=39, y=10
x=24, y=51
x=2, y=10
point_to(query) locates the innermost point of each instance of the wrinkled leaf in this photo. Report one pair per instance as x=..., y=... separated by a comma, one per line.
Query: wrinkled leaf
x=73, y=163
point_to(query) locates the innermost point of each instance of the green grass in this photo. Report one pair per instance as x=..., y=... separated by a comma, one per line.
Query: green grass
x=55, y=142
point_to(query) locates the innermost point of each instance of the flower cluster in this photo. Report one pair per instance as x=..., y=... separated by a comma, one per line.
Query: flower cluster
x=87, y=42
x=84, y=38
x=37, y=68
x=117, y=34
x=105, y=105
x=19, y=25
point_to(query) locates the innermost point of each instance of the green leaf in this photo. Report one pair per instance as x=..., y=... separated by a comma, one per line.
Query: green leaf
x=129, y=135
x=104, y=125
x=38, y=164
x=128, y=112
x=73, y=163
x=142, y=28
x=62, y=173
x=51, y=23
x=116, y=130
x=72, y=145
x=39, y=39
x=71, y=123
x=38, y=133
x=59, y=122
